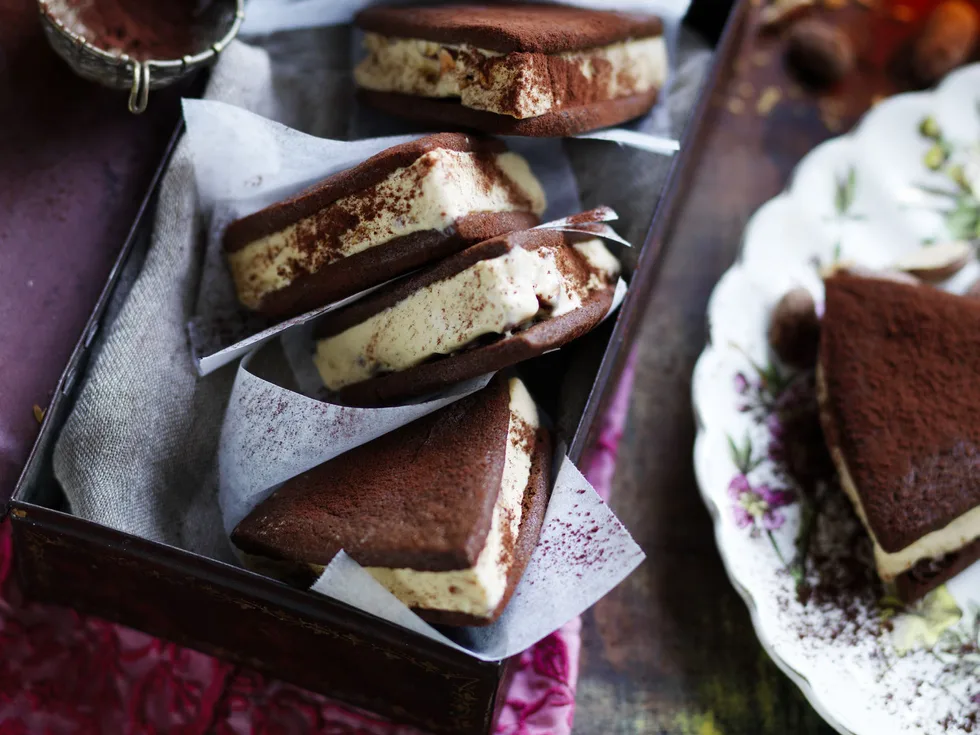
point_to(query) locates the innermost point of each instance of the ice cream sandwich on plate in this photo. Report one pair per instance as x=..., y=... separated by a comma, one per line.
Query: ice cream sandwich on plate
x=491, y=306
x=444, y=512
x=540, y=70
x=900, y=406
x=407, y=206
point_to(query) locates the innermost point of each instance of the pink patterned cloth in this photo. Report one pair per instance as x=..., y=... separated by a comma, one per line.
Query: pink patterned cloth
x=64, y=673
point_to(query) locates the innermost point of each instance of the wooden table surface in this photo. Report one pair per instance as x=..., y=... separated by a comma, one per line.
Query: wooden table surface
x=672, y=649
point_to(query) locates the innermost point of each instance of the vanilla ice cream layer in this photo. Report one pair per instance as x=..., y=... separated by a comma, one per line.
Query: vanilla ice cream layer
x=431, y=194
x=494, y=296
x=515, y=84
x=935, y=545
x=479, y=590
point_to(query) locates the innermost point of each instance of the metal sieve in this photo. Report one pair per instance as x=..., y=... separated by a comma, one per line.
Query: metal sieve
x=120, y=71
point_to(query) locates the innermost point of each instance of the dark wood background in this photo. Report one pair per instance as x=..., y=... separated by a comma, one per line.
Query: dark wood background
x=672, y=649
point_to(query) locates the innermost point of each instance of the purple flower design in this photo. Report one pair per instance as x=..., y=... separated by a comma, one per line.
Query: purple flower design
x=775, y=426
x=777, y=432
x=757, y=507
x=741, y=384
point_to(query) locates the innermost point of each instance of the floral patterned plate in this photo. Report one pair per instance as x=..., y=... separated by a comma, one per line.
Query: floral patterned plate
x=908, y=176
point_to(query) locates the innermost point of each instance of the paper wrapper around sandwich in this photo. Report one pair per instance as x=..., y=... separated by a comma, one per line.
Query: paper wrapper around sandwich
x=282, y=162
x=272, y=433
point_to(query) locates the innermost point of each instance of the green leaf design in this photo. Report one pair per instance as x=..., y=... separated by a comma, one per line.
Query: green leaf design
x=964, y=220
x=773, y=380
x=844, y=196
x=734, y=451
x=742, y=456
x=809, y=512
x=775, y=547
x=937, y=191
x=850, y=187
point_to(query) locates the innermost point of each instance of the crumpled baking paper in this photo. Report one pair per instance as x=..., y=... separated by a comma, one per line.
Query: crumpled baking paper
x=280, y=163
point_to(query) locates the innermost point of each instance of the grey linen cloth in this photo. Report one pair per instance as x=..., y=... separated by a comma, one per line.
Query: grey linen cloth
x=138, y=452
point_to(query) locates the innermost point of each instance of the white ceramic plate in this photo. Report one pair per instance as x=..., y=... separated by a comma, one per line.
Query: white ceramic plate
x=868, y=665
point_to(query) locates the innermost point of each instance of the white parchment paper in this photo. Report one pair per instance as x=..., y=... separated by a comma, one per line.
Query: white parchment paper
x=280, y=163
x=271, y=434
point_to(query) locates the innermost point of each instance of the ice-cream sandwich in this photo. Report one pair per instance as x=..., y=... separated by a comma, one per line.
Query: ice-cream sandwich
x=523, y=69
x=493, y=305
x=444, y=512
x=407, y=206
x=900, y=406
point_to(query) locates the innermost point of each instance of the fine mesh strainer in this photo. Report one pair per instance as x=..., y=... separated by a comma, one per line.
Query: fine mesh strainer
x=220, y=21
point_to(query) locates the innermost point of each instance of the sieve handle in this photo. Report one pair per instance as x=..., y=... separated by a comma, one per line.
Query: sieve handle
x=139, y=93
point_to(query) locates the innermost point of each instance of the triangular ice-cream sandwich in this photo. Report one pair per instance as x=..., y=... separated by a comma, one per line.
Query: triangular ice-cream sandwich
x=899, y=398
x=444, y=512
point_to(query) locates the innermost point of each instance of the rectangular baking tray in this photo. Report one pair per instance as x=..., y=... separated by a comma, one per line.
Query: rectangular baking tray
x=312, y=641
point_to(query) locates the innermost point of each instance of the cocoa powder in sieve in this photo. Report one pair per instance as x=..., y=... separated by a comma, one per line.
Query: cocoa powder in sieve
x=143, y=30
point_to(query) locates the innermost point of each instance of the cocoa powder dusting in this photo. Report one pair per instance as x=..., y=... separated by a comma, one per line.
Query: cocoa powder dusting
x=324, y=237
x=143, y=30
x=836, y=605
x=837, y=583
x=508, y=540
x=559, y=80
x=490, y=174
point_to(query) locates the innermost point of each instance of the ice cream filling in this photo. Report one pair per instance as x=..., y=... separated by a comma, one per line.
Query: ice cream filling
x=498, y=296
x=479, y=590
x=521, y=85
x=431, y=194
